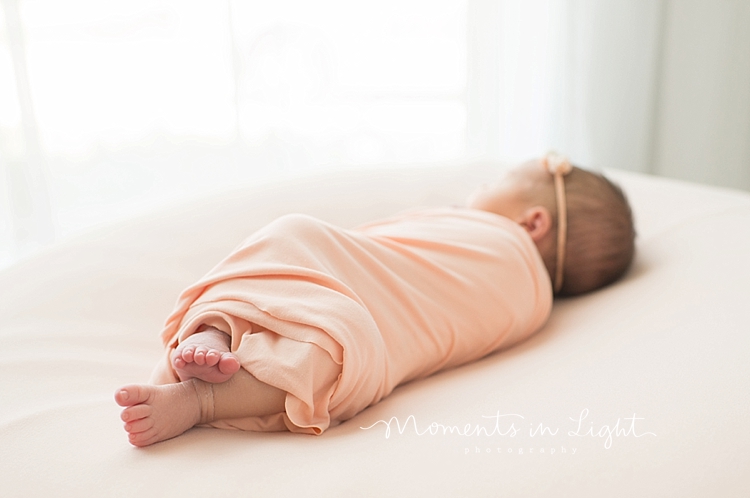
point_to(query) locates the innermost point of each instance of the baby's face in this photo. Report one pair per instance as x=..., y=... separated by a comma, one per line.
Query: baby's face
x=513, y=193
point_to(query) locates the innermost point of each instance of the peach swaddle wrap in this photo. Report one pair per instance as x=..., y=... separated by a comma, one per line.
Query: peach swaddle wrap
x=338, y=318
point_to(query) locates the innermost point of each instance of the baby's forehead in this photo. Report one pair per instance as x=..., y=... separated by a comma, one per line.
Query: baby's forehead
x=532, y=164
x=532, y=170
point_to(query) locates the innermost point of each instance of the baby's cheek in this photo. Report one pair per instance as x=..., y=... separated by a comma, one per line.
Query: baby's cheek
x=476, y=198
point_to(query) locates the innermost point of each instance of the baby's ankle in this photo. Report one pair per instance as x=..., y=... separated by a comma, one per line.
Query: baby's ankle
x=204, y=392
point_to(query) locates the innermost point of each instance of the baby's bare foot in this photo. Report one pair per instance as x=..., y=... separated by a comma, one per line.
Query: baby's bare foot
x=156, y=413
x=205, y=355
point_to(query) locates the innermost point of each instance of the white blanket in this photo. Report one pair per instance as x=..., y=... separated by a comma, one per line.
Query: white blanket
x=640, y=389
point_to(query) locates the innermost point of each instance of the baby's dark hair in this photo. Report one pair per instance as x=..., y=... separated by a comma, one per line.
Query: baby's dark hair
x=600, y=243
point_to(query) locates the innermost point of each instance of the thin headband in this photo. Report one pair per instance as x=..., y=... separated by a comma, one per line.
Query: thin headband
x=559, y=166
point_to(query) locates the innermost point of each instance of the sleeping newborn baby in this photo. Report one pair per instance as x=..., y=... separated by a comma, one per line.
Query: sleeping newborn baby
x=306, y=324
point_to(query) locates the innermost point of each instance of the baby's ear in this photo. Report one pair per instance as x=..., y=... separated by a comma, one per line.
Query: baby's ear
x=537, y=221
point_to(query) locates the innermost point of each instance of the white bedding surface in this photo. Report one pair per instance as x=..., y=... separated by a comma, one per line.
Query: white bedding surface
x=670, y=344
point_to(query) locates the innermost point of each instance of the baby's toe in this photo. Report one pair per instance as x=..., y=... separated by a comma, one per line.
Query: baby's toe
x=141, y=425
x=187, y=354
x=144, y=438
x=200, y=355
x=136, y=412
x=178, y=362
x=229, y=364
x=213, y=357
x=132, y=395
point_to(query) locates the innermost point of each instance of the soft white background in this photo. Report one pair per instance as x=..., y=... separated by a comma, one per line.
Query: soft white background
x=109, y=109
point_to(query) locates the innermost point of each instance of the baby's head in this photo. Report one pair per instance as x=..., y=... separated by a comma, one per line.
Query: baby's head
x=599, y=244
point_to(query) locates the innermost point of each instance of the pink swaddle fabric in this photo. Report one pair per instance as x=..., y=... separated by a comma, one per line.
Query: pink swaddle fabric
x=338, y=318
